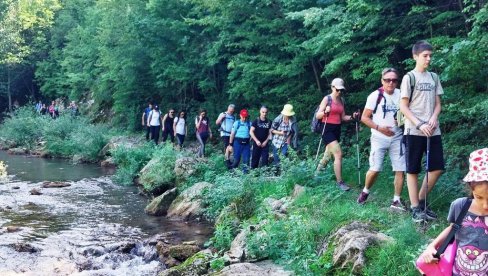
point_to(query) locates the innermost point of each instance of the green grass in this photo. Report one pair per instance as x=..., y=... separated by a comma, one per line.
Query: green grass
x=294, y=241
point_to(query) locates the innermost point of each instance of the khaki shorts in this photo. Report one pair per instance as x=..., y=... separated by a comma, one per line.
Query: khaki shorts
x=379, y=147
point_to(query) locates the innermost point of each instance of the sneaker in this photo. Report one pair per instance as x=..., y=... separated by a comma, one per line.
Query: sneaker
x=398, y=205
x=418, y=215
x=343, y=186
x=430, y=214
x=362, y=198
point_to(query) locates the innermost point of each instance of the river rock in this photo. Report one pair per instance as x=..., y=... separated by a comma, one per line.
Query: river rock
x=351, y=242
x=108, y=163
x=185, y=166
x=17, y=151
x=15, y=187
x=12, y=229
x=35, y=192
x=55, y=184
x=189, y=203
x=196, y=265
x=160, y=205
x=182, y=252
x=24, y=247
x=77, y=159
x=266, y=268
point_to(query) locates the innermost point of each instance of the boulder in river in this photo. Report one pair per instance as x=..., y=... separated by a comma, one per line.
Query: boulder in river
x=55, y=184
x=108, y=163
x=189, y=203
x=35, y=191
x=11, y=229
x=159, y=206
x=24, y=247
x=196, y=265
x=17, y=151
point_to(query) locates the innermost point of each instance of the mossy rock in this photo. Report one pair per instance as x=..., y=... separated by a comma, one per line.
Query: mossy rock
x=196, y=265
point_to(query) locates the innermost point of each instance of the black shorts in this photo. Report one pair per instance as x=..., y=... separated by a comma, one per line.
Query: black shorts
x=332, y=133
x=416, y=146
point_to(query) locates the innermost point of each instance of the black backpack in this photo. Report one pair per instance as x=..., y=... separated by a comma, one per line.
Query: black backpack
x=317, y=125
x=378, y=100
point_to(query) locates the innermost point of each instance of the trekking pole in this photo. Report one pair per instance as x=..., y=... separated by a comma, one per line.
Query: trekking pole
x=427, y=161
x=321, y=137
x=357, y=148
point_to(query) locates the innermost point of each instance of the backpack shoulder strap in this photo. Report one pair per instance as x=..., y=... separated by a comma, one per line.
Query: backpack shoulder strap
x=329, y=100
x=411, y=77
x=455, y=227
x=435, y=78
x=378, y=100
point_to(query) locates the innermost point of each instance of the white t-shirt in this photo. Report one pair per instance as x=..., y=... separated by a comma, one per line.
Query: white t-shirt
x=423, y=99
x=153, y=118
x=385, y=113
x=180, y=126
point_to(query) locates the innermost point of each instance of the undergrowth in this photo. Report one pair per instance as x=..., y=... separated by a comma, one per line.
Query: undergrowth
x=66, y=136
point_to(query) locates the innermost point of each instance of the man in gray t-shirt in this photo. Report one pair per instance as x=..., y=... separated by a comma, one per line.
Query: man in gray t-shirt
x=421, y=107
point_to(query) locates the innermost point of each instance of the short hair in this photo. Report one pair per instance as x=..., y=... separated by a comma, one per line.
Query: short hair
x=231, y=106
x=203, y=110
x=263, y=106
x=388, y=70
x=421, y=46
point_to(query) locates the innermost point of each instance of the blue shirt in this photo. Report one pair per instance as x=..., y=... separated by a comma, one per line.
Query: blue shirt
x=241, y=129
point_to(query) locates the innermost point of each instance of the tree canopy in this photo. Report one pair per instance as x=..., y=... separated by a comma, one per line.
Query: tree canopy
x=187, y=54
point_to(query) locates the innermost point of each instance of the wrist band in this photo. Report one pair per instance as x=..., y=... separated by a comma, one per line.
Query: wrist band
x=420, y=124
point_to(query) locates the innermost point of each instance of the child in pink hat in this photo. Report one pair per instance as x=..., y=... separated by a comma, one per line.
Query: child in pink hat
x=472, y=238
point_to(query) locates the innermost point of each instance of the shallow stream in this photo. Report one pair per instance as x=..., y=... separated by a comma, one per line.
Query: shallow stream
x=92, y=227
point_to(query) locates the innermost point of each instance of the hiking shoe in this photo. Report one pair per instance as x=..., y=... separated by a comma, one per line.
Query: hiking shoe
x=398, y=205
x=430, y=214
x=418, y=215
x=343, y=186
x=362, y=198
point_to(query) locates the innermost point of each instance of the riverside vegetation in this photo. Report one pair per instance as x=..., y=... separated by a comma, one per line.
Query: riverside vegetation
x=293, y=240
x=192, y=54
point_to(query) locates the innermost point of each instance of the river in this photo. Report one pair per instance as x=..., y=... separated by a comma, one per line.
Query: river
x=92, y=227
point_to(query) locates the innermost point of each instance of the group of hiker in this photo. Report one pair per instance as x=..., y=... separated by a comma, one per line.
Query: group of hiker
x=55, y=108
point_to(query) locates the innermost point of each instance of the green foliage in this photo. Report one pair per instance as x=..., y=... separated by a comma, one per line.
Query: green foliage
x=158, y=174
x=130, y=161
x=65, y=136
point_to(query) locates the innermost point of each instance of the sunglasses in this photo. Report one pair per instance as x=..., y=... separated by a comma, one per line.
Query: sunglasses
x=390, y=80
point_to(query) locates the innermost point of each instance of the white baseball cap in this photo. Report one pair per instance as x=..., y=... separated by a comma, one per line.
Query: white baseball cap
x=338, y=83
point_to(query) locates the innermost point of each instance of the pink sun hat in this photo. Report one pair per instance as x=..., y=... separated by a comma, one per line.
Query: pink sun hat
x=478, y=166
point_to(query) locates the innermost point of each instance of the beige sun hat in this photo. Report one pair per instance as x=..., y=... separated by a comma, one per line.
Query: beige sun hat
x=478, y=166
x=288, y=110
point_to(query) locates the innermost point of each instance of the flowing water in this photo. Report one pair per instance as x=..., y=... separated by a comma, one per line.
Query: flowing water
x=93, y=227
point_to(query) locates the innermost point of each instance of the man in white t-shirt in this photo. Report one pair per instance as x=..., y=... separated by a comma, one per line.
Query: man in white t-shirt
x=379, y=115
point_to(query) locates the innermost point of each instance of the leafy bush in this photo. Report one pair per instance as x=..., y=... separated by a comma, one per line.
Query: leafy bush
x=158, y=174
x=24, y=128
x=130, y=161
x=64, y=137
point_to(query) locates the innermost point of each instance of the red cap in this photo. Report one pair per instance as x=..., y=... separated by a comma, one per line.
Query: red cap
x=244, y=113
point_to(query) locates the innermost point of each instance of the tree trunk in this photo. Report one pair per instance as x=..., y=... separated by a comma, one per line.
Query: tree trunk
x=317, y=77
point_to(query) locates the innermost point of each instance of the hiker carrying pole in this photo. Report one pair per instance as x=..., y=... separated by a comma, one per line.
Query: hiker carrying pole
x=356, y=120
x=323, y=130
x=332, y=130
